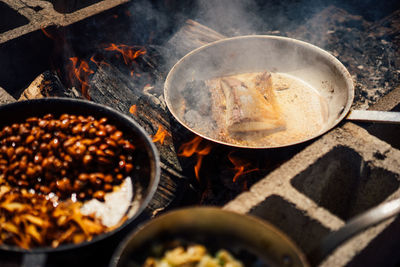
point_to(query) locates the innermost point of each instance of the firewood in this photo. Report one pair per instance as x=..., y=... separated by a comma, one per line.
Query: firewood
x=191, y=36
x=111, y=87
x=45, y=85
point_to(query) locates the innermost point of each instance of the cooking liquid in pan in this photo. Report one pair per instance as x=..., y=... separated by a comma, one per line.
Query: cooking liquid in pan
x=303, y=109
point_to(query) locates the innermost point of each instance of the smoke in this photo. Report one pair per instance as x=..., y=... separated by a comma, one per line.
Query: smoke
x=230, y=17
x=243, y=17
x=147, y=21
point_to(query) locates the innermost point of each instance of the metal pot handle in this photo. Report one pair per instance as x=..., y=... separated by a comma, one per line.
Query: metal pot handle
x=34, y=260
x=353, y=227
x=374, y=116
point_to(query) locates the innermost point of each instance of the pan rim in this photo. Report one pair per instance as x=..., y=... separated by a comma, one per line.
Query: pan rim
x=152, y=189
x=339, y=65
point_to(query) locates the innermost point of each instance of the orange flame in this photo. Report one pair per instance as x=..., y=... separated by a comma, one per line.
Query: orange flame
x=192, y=147
x=129, y=53
x=133, y=109
x=81, y=73
x=160, y=135
x=47, y=34
x=97, y=62
x=240, y=166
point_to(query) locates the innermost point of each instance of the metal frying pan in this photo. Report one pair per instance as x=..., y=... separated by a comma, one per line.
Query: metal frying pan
x=145, y=177
x=259, y=243
x=309, y=64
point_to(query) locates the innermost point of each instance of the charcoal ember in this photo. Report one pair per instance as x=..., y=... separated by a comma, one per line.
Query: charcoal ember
x=197, y=97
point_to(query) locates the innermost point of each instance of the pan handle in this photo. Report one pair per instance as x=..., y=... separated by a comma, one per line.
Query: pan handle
x=34, y=260
x=374, y=116
x=353, y=227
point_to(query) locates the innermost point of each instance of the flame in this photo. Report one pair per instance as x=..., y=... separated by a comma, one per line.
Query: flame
x=81, y=73
x=160, y=135
x=97, y=62
x=133, y=109
x=240, y=166
x=129, y=53
x=193, y=147
x=47, y=34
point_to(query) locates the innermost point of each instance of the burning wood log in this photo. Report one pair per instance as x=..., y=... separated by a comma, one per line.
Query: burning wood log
x=111, y=87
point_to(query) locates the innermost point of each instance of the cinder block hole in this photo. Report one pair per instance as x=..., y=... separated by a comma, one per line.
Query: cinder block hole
x=346, y=185
x=69, y=6
x=388, y=132
x=304, y=231
x=10, y=18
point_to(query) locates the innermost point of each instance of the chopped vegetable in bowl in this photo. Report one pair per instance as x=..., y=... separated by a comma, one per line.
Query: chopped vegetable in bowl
x=193, y=256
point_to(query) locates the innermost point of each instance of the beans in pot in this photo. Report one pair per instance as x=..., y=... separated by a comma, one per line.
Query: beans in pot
x=66, y=155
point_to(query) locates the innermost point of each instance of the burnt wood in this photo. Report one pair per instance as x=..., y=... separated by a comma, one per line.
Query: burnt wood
x=111, y=87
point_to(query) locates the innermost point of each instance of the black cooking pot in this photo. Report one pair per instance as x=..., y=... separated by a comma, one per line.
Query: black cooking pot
x=251, y=240
x=146, y=175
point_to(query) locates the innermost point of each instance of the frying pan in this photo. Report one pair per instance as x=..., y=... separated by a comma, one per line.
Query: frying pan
x=240, y=234
x=256, y=53
x=145, y=177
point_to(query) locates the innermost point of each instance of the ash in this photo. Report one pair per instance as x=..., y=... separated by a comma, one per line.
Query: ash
x=364, y=47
